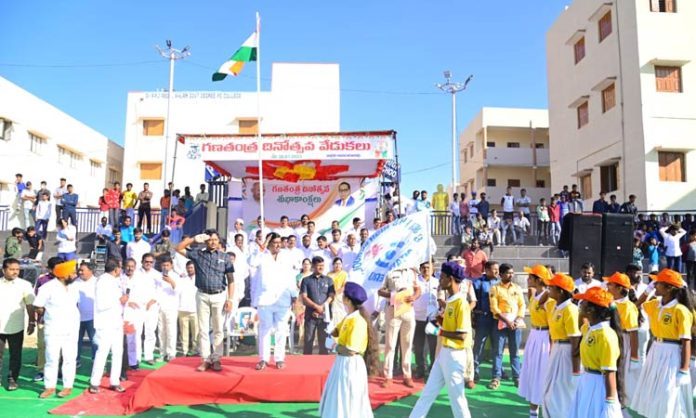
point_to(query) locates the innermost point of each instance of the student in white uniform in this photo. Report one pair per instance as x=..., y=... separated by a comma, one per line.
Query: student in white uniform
x=57, y=302
x=108, y=323
x=168, y=300
x=274, y=294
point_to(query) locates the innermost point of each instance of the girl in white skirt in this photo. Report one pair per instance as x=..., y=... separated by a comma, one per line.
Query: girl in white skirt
x=600, y=387
x=619, y=285
x=538, y=345
x=664, y=381
x=345, y=392
x=564, y=360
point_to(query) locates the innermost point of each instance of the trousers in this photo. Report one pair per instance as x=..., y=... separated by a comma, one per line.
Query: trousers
x=314, y=326
x=166, y=327
x=399, y=329
x=108, y=341
x=64, y=344
x=423, y=344
x=210, y=312
x=188, y=328
x=144, y=322
x=86, y=327
x=15, y=342
x=273, y=320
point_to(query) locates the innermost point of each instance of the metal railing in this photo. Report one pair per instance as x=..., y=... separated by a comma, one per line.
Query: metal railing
x=442, y=224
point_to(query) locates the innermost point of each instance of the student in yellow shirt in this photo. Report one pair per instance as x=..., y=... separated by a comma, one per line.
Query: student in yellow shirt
x=600, y=388
x=664, y=380
x=538, y=345
x=455, y=334
x=619, y=285
x=128, y=200
x=508, y=308
x=564, y=359
x=345, y=392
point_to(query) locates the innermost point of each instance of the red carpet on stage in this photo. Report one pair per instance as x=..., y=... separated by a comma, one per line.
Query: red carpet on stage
x=177, y=383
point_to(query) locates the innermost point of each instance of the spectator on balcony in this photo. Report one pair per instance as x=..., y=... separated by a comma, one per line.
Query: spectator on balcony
x=475, y=260
x=638, y=255
x=36, y=244
x=43, y=190
x=44, y=208
x=508, y=204
x=691, y=259
x=565, y=194
x=66, y=239
x=671, y=235
x=688, y=223
x=58, y=195
x=543, y=222
x=127, y=230
x=523, y=203
x=630, y=206
x=203, y=196
x=613, y=206
x=473, y=207
x=456, y=214
x=601, y=205
x=188, y=200
x=463, y=212
x=104, y=231
x=145, y=207
x=479, y=223
x=165, y=204
x=484, y=207
x=468, y=237
x=13, y=244
x=508, y=225
x=522, y=227
x=176, y=222
x=113, y=199
x=103, y=204
x=28, y=199
x=554, y=221
x=564, y=205
x=116, y=247
x=653, y=255
x=575, y=203
x=494, y=227
x=128, y=200
x=70, y=202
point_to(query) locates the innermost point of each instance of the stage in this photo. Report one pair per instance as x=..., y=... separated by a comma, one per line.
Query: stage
x=177, y=383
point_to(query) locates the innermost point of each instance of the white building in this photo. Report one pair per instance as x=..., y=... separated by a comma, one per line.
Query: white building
x=303, y=98
x=44, y=144
x=502, y=148
x=622, y=100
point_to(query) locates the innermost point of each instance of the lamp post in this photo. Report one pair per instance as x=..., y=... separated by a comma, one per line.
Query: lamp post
x=172, y=54
x=453, y=88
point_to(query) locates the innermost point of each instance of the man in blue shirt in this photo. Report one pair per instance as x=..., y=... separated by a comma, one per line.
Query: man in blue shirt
x=70, y=201
x=484, y=323
x=600, y=205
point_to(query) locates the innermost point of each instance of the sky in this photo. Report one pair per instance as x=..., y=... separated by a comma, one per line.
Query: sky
x=84, y=57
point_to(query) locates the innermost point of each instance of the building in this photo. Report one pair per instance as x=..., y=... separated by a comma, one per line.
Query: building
x=622, y=100
x=303, y=98
x=502, y=148
x=44, y=143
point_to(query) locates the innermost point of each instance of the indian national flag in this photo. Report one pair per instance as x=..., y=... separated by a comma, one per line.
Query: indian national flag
x=246, y=53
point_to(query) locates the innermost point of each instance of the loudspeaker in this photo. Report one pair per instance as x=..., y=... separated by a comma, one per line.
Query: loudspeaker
x=617, y=242
x=581, y=236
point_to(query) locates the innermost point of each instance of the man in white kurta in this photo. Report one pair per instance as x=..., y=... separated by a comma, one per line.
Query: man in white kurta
x=57, y=301
x=109, y=302
x=168, y=299
x=274, y=293
x=142, y=310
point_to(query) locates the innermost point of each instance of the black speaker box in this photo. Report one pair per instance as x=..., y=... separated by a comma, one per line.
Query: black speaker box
x=581, y=236
x=617, y=242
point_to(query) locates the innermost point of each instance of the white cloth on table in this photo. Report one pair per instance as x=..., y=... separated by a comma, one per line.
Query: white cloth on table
x=345, y=392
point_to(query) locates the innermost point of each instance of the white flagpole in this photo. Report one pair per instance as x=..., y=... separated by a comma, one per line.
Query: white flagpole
x=258, y=114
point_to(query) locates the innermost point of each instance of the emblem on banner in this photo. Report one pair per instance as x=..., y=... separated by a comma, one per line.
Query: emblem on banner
x=194, y=152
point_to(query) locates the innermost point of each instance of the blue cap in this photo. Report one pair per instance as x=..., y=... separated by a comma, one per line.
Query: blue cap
x=355, y=292
x=454, y=270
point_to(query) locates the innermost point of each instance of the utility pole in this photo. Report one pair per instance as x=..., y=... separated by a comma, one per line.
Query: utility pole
x=172, y=54
x=453, y=88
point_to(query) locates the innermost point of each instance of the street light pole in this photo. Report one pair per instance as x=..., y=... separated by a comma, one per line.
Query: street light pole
x=453, y=88
x=172, y=54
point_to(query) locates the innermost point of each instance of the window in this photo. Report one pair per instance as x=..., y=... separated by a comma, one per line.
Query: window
x=539, y=145
x=513, y=183
x=663, y=6
x=605, y=26
x=490, y=144
x=94, y=167
x=513, y=144
x=249, y=126
x=153, y=127
x=471, y=150
x=541, y=183
x=671, y=166
x=490, y=182
x=608, y=176
x=150, y=171
x=5, y=129
x=586, y=184
x=36, y=143
x=465, y=159
x=668, y=79
x=68, y=157
x=113, y=176
x=608, y=98
x=583, y=115
x=580, y=50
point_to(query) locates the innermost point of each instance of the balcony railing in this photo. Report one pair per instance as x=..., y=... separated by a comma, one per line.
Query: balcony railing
x=518, y=157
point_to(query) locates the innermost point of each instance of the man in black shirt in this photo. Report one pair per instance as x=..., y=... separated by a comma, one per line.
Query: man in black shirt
x=317, y=291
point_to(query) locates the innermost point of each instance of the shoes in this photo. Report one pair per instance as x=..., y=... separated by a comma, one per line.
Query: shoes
x=46, y=393
x=65, y=392
x=166, y=359
x=123, y=378
x=93, y=389
x=217, y=367
x=280, y=365
x=11, y=384
x=386, y=383
x=408, y=382
x=203, y=367
x=261, y=365
x=494, y=385
x=136, y=367
x=118, y=388
x=39, y=377
x=150, y=362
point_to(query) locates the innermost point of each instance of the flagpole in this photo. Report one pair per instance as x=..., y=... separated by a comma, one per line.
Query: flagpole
x=258, y=115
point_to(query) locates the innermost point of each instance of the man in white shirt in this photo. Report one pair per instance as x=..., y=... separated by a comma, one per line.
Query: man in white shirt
x=261, y=227
x=44, y=208
x=241, y=268
x=104, y=231
x=57, y=301
x=274, y=294
x=16, y=298
x=425, y=308
x=456, y=214
x=168, y=300
x=336, y=244
x=188, y=320
x=520, y=229
x=284, y=230
x=586, y=279
x=307, y=248
x=494, y=226
x=28, y=198
x=86, y=284
x=294, y=254
x=349, y=252
x=523, y=203
x=301, y=230
x=58, y=195
x=355, y=228
x=239, y=229
x=323, y=251
x=137, y=248
x=473, y=207
x=313, y=234
x=108, y=323
x=142, y=309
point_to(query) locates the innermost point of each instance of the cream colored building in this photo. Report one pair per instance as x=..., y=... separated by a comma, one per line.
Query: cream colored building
x=303, y=98
x=504, y=147
x=622, y=100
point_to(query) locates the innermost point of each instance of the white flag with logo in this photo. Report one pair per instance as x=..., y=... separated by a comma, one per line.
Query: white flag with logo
x=404, y=243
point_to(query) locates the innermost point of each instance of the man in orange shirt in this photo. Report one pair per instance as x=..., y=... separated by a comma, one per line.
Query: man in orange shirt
x=475, y=260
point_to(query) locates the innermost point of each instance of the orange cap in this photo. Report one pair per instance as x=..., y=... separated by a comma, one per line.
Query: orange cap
x=563, y=281
x=620, y=279
x=65, y=269
x=540, y=271
x=670, y=277
x=596, y=295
